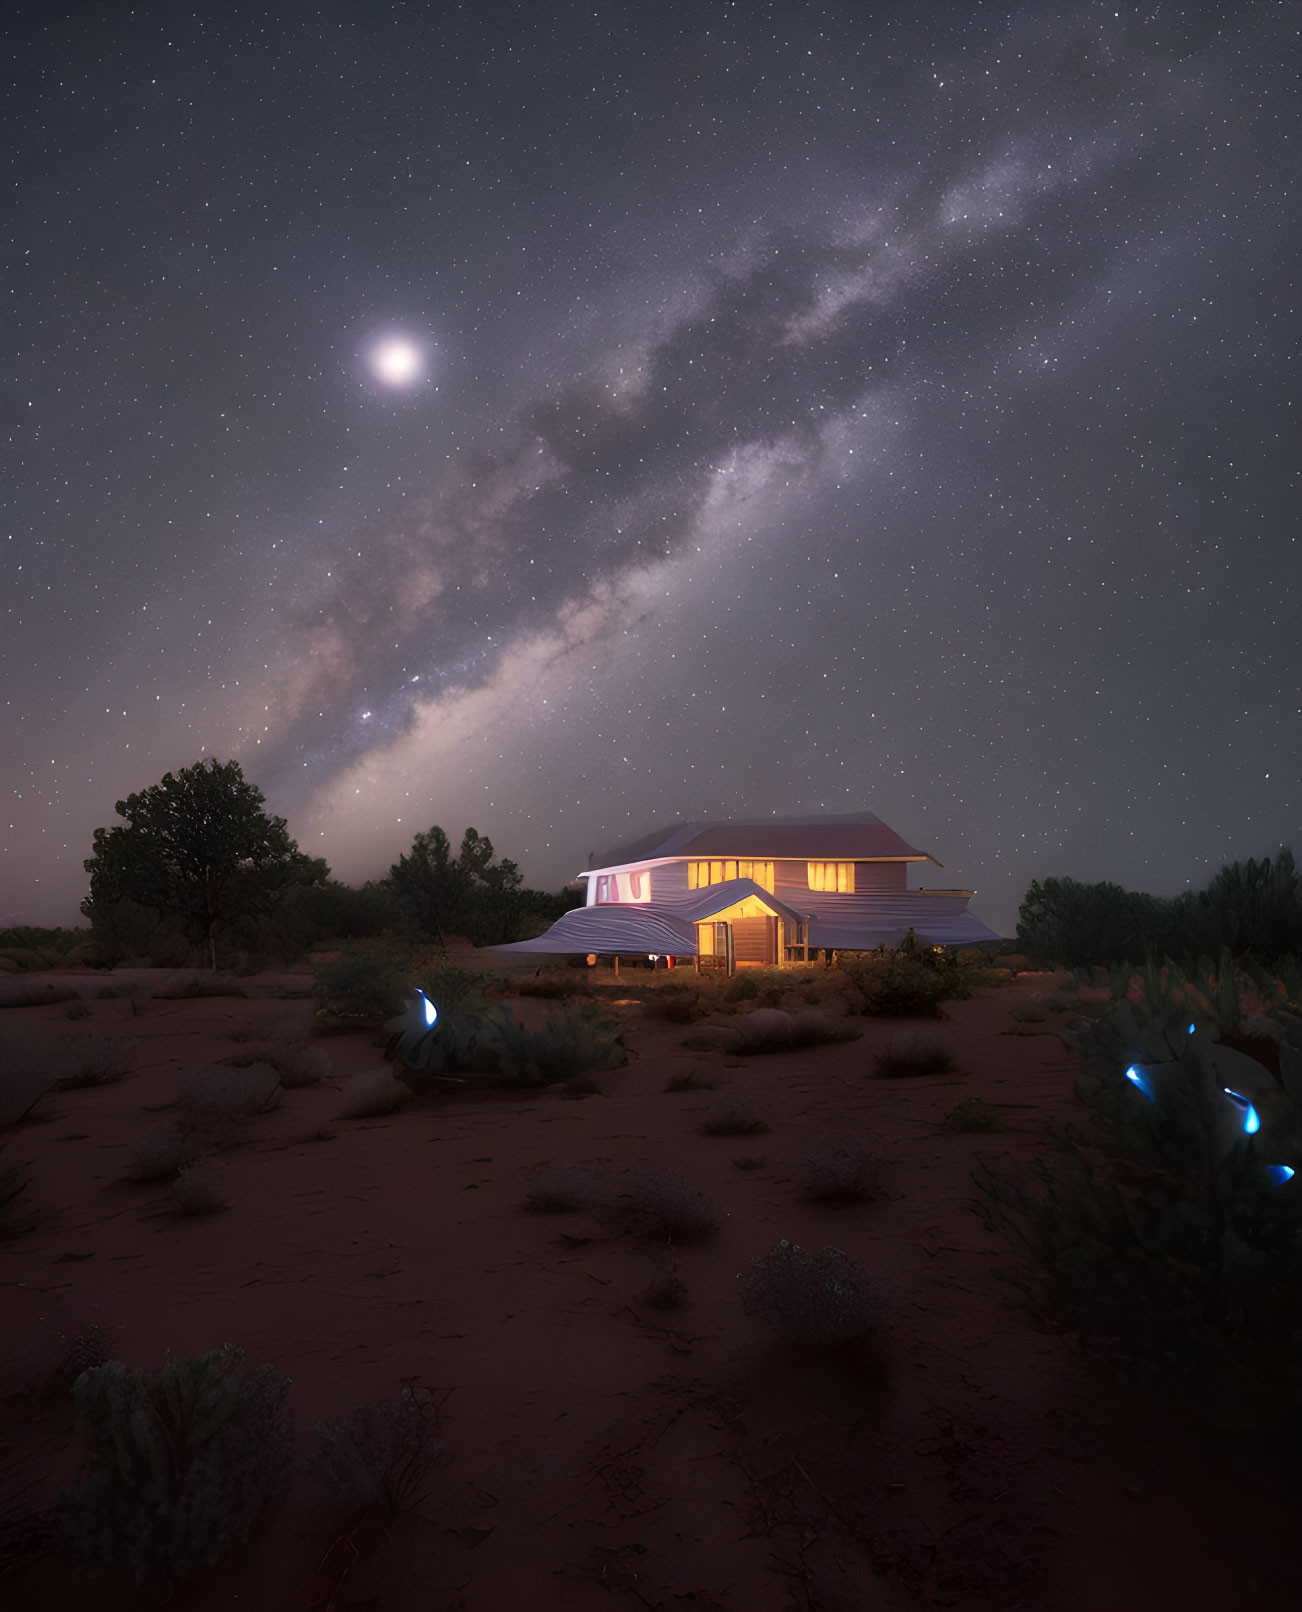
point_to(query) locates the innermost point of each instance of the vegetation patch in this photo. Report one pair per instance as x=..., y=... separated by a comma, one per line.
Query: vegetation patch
x=841, y=1172
x=379, y=1458
x=183, y=1461
x=814, y=1301
x=972, y=1116
x=666, y=1207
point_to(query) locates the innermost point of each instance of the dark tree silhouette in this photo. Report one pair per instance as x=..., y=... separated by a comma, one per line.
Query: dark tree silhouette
x=197, y=847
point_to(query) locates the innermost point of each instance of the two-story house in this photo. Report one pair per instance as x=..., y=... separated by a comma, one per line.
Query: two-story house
x=775, y=890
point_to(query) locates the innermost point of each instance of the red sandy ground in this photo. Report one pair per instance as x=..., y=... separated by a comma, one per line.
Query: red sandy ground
x=604, y=1453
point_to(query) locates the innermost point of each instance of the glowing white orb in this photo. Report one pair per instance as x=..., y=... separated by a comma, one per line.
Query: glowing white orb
x=397, y=361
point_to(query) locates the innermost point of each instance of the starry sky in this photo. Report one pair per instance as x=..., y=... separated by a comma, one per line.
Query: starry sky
x=565, y=418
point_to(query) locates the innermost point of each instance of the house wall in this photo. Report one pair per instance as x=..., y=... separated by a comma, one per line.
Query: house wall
x=665, y=885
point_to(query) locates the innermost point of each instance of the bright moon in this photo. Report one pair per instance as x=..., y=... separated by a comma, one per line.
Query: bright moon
x=397, y=361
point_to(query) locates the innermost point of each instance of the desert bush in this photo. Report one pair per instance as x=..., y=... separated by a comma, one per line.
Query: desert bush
x=814, y=1028
x=453, y=991
x=673, y=1004
x=665, y=1206
x=167, y=1149
x=183, y=1462
x=814, y=1301
x=763, y=1030
x=92, y=1060
x=200, y=1188
x=379, y=1458
x=841, y=1172
x=733, y=1119
x=1027, y=1015
x=973, y=1116
x=916, y=1055
x=750, y=1161
x=578, y=1041
x=294, y=1066
x=372, y=1094
x=215, y=1091
x=562, y=1188
x=368, y=982
x=1171, y=1231
x=77, y=1352
x=80, y=1010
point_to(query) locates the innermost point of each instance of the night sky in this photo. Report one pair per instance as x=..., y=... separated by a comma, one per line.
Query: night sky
x=568, y=418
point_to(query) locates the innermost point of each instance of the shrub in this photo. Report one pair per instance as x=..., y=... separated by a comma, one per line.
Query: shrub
x=200, y=1188
x=575, y=1042
x=294, y=1066
x=215, y=1092
x=553, y=985
x=80, y=1010
x=196, y=987
x=665, y=1206
x=92, y=1060
x=764, y=1030
x=378, y=1458
x=916, y=1055
x=1028, y=1015
x=673, y=1004
x=811, y=1028
x=369, y=982
x=750, y=1161
x=167, y=1150
x=369, y=1095
x=1167, y=1233
x=841, y=1172
x=814, y=1301
x=973, y=1116
x=733, y=1119
x=453, y=991
x=562, y=1188
x=183, y=1462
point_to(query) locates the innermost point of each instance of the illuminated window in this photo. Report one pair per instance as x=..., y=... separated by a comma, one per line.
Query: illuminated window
x=702, y=874
x=603, y=888
x=638, y=885
x=838, y=876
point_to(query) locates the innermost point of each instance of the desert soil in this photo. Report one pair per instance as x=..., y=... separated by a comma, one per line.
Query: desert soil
x=602, y=1452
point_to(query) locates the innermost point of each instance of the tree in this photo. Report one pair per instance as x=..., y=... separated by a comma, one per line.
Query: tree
x=469, y=894
x=198, y=848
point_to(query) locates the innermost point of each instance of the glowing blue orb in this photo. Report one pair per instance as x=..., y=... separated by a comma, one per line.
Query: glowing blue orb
x=431, y=1012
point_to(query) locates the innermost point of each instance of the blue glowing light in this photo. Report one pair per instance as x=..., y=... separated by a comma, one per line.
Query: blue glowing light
x=1137, y=1077
x=1251, y=1118
x=1191, y=1028
x=1280, y=1172
x=431, y=1012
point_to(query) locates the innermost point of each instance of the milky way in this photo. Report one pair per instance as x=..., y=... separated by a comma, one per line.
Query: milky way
x=567, y=419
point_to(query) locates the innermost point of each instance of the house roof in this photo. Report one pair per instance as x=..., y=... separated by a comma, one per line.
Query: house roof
x=848, y=837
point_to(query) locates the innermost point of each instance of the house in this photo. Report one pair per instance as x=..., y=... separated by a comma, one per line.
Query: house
x=747, y=893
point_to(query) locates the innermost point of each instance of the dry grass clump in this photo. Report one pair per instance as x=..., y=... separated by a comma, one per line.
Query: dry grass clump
x=166, y=1150
x=370, y=1095
x=814, y=1301
x=813, y=1027
x=200, y=1188
x=553, y=985
x=665, y=1206
x=296, y=1066
x=916, y=1054
x=734, y=1119
x=562, y=1188
x=841, y=1172
x=214, y=1091
x=378, y=1459
x=674, y=1004
x=94, y=1060
x=764, y=1030
x=750, y=1161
